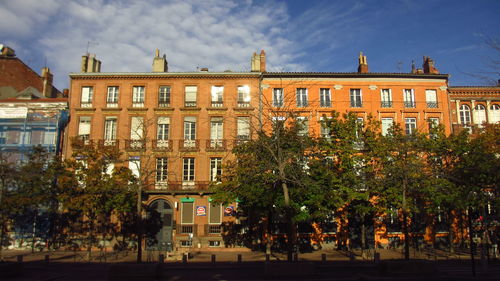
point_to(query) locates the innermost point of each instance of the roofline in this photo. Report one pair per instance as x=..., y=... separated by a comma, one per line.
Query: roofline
x=352, y=75
x=162, y=74
x=47, y=100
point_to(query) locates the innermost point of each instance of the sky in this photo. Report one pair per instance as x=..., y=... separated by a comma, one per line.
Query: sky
x=314, y=35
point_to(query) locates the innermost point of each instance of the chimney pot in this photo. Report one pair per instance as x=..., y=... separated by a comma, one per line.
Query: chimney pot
x=204, y=69
x=363, y=64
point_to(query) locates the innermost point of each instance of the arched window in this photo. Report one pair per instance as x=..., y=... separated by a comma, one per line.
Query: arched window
x=464, y=114
x=495, y=113
x=479, y=114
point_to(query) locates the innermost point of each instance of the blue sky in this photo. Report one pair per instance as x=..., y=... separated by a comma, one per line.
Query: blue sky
x=296, y=35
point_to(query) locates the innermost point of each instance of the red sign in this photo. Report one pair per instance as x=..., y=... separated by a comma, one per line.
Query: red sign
x=201, y=210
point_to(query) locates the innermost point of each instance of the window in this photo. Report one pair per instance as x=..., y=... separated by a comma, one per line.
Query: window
x=217, y=94
x=360, y=123
x=87, y=93
x=215, y=243
x=188, y=170
x=278, y=97
x=109, y=168
x=433, y=123
x=356, y=98
x=386, y=124
x=110, y=130
x=215, y=214
x=190, y=96
x=112, y=96
x=189, y=131
x=163, y=127
x=431, y=98
x=161, y=170
x=215, y=169
x=134, y=164
x=303, y=124
x=186, y=243
x=464, y=114
x=243, y=128
x=138, y=96
x=480, y=114
x=243, y=96
x=136, y=128
x=187, y=213
x=409, y=98
x=410, y=125
x=325, y=129
x=301, y=97
x=84, y=128
x=325, y=99
x=385, y=98
x=216, y=131
x=164, y=96
x=495, y=113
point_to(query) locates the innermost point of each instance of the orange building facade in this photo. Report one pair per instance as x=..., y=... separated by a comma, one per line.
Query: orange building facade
x=175, y=131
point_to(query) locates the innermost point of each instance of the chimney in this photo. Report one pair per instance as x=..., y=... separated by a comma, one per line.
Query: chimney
x=428, y=66
x=47, y=82
x=90, y=63
x=6, y=51
x=255, y=63
x=413, y=69
x=262, y=61
x=65, y=93
x=363, y=64
x=204, y=69
x=160, y=64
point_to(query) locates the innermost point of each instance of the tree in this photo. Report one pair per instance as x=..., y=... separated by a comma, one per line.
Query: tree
x=95, y=192
x=8, y=178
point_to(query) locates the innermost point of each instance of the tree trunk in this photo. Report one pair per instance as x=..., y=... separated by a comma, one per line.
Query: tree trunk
x=405, y=224
x=292, y=232
x=363, y=237
x=451, y=234
x=139, y=224
x=469, y=219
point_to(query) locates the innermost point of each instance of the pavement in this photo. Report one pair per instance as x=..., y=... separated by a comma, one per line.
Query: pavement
x=218, y=265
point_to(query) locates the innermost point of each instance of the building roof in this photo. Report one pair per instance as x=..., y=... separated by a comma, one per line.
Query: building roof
x=148, y=75
x=353, y=75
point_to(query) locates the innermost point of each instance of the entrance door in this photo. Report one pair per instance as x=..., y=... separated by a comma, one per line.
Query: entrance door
x=163, y=237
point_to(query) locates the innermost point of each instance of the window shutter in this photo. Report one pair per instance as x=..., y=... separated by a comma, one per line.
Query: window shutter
x=187, y=213
x=215, y=214
x=84, y=126
x=430, y=95
x=191, y=93
x=163, y=120
x=136, y=128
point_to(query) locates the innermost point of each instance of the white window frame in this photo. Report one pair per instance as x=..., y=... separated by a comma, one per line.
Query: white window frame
x=431, y=98
x=190, y=96
x=410, y=125
x=278, y=97
x=110, y=128
x=217, y=96
x=386, y=98
x=216, y=131
x=356, y=97
x=409, y=98
x=215, y=169
x=189, y=131
x=188, y=169
x=164, y=96
x=244, y=96
x=163, y=128
x=325, y=97
x=243, y=128
x=480, y=115
x=112, y=96
x=301, y=97
x=84, y=127
x=138, y=94
x=388, y=123
x=161, y=170
x=304, y=122
x=465, y=114
x=87, y=95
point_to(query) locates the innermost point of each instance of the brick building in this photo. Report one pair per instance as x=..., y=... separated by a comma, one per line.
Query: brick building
x=32, y=111
x=175, y=129
x=471, y=107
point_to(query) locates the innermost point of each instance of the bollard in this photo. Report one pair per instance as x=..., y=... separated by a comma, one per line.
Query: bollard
x=268, y=257
x=213, y=259
x=239, y=258
x=47, y=258
x=161, y=258
x=376, y=257
x=19, y=258
x=295, y=257
x=184, y=258
x=323, y=257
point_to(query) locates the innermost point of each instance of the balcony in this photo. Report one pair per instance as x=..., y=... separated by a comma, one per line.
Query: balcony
x=243, y=104
x=138, y=104
x=217, y=104
x=112, y=104
x=189, y=145
x=108, y=143
x=187, y=229
x=432, y=104
x=190, y=104
x=356, y=104
x=386, y=104
x=241, y=140
x=80, y=142
x=135, y=145
x=214, y=229
x=161, y=185
x=163, y=104
x=162, y=145
x=86, y=104
x=216, y=145
x=409, y=104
